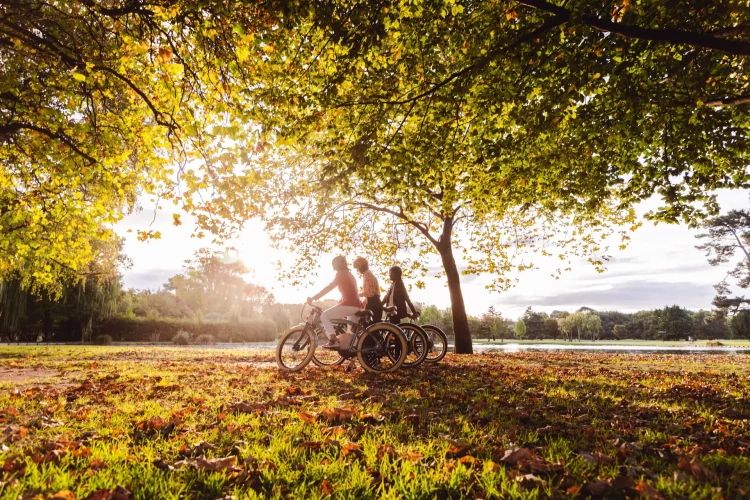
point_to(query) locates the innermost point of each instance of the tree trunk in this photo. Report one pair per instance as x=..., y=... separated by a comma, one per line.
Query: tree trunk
x=462, y=344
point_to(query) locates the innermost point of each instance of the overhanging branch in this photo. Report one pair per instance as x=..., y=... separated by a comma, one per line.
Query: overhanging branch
x=702, y=40
x=729, y=101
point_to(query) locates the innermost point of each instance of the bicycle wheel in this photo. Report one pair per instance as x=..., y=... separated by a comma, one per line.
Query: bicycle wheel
x=325, y=357
x=437, y=343
x=376, y=343
x=416, y=339
x=295, y=348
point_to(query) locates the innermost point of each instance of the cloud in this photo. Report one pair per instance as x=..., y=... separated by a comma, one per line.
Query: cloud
x=630, y=295
x=647, y=272
x=148, y=279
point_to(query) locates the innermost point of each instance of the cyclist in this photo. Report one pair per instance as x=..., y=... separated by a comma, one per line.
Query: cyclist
x=347, y=306
x=370, y=288
x=398, y=297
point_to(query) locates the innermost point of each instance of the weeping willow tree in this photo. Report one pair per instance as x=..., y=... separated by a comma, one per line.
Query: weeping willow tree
x=89, y=297
x=12, y=307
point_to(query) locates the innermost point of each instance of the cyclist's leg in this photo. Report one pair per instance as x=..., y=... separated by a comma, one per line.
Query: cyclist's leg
x=335, y=312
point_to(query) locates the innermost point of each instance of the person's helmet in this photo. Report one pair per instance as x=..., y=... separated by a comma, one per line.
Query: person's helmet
x=339, y=263
x=361, y=264
x=395, y=272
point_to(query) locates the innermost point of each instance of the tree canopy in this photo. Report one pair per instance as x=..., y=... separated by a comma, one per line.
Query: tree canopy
x=485, y=126
x=492, y=126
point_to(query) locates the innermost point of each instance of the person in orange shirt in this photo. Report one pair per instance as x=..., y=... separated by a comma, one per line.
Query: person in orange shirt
x=370, y=289
x=347, y=306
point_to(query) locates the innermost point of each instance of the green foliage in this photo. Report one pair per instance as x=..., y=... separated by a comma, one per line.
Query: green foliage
x=619, y=331
x=739, y=325
x=182, y=338
x=673, y=322
x=534, y=323
x=436, y=131
x=144, y=329
x=520, y=329
x=726, y=234
x=550, y=329
x=204, y=339
x=103, y=340
x=212, y=283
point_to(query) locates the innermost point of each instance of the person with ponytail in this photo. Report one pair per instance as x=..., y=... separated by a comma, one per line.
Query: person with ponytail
x=398, y=297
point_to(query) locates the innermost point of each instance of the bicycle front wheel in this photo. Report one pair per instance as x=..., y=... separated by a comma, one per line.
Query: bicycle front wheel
x=377, y=345
x=295, y=348
x=437, y=343
x=325, y=357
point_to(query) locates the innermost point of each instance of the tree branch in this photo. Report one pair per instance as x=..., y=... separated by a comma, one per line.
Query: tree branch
x=13, y=127
x=736, y=47
x=401, y=215
x=729, y=101
x=478, y=64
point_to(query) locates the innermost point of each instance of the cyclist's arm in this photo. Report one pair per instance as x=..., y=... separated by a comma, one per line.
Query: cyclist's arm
x=408, y=302
x=324, y=291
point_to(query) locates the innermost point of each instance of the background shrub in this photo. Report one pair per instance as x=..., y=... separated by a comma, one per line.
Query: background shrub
x=144, y=329
x=182, y=338
x=103, y=340
x=204, y=339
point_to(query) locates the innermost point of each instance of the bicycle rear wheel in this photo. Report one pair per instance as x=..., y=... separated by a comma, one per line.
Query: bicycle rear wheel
x=437, y=343
x=416, y=339
x=295, y=349
x=379, y=345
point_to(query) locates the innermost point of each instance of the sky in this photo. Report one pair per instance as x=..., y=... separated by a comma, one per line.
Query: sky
x=660, y=267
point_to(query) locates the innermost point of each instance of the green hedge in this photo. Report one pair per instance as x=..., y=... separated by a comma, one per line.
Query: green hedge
x=164, y=330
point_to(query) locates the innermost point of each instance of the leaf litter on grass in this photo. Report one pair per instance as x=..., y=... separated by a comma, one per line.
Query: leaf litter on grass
x=158, y=424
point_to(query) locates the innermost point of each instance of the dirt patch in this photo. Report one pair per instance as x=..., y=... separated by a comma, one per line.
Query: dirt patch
x=25, y=376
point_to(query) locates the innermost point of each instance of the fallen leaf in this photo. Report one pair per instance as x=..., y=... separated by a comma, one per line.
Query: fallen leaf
x=215, y=464
x=307, y=417
x=647, y=491
x=513, y=457
x=695, y=469
x=326, y=487
x=63, y=495
x=458, y=447
x=598, y=488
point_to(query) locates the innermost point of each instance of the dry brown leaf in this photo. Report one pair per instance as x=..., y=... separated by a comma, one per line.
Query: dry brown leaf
x=513, y=457
x=308, y=418
x=458, y=447
x=326, y=486
x=215, y=464
x=645, y=490
x=63, y=495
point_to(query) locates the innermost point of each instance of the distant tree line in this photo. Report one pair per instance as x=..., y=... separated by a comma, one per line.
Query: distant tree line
x=669, y=323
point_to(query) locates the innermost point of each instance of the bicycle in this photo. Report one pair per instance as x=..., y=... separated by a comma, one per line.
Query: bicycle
x=416, y=339
x=437, y=343
x=379, y=347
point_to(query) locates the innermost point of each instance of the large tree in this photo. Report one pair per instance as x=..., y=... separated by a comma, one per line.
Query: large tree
x=501, y=116
x=727, y=240
x=213, y=283
x=101, y=101
x=453, y=125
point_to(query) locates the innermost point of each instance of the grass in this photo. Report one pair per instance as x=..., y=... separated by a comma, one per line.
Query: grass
x=213, y=423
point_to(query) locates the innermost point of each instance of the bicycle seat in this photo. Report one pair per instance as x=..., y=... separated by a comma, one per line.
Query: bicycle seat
x=363, y=313
x=390, y=310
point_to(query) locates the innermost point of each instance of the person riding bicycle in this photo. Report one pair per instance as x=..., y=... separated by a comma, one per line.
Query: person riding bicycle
x=370, y=289
x=347, y=307
x=398, y=297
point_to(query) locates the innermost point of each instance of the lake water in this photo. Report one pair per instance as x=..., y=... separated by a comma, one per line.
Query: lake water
x=640, y=349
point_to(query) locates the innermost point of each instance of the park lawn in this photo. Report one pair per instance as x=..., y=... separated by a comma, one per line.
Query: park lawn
x=79, y=422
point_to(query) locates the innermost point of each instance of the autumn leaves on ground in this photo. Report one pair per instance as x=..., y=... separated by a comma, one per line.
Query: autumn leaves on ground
x=168, y=423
